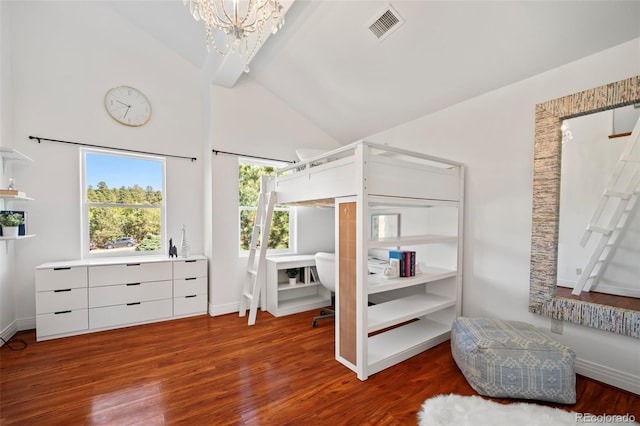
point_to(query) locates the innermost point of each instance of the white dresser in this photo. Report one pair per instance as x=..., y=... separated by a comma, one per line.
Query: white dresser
x=83, y=296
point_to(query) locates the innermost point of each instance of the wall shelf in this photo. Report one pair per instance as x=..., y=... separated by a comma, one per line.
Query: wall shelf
x=8, y=154
x=19, y=237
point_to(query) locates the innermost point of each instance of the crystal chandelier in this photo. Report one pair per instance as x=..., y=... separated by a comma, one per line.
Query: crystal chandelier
x=238, y=19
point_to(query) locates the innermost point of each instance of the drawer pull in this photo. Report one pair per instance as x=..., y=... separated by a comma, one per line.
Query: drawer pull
x=133, y=264
x=61, y=291
x=190, y=279
x=189, y=261
x=129, y=284
x=62, y=268
x=193, y=295
x=62, y=312
x=133, y=303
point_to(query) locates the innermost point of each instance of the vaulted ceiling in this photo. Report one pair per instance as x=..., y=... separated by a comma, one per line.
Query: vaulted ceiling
x=327, y=65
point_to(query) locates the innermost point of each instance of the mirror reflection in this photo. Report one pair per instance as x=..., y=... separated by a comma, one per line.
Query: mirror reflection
x=599, y=219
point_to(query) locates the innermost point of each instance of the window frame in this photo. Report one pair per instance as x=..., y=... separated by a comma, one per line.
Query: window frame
x=84, y=205
x=292, y=211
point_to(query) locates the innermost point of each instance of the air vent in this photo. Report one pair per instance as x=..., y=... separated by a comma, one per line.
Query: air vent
x=385, y=23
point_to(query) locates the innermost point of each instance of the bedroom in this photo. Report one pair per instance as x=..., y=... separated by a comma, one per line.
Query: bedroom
x=57, y=53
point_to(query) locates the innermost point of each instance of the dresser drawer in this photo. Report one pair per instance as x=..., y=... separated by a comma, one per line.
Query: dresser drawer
x=61, y=322
x=61, y=278
x=111, y=316
x=129, y=293
x=61, y=300
x=189, y=286
x=129, y=273
x=186, y=305
x=189, y=268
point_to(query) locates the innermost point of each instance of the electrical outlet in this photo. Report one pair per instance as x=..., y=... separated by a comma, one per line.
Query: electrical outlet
x=556, y=326
x=578, y=271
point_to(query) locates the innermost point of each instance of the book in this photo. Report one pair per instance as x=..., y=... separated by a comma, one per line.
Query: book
x=12, y=192
x=396, y=258
x=405, y=261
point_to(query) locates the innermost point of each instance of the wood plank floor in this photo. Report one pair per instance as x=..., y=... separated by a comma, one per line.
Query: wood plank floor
x=219, y=371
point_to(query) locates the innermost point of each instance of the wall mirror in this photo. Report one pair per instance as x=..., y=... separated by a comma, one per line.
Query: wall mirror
x=385, y=225
x=544, y=297
x=599, y=176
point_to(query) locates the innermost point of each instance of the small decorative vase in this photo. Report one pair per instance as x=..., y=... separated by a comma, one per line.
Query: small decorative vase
x=292, y=281
x=184, y=247
x=9, y=231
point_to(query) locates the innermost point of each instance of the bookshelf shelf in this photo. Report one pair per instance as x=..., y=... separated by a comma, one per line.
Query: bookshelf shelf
x=286, y=299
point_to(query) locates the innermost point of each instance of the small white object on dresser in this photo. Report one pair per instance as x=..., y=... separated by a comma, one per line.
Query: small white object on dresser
x=84, y=296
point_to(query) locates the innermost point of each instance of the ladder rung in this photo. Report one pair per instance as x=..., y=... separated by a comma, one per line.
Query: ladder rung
x=248, y=295
x=252, y=272
x=617, y=194
x=598, y=229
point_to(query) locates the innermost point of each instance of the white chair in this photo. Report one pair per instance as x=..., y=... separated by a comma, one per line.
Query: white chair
x=326, y=267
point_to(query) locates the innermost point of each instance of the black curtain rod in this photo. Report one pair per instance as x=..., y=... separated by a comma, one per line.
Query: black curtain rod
x=39, y=139
x=216, y=152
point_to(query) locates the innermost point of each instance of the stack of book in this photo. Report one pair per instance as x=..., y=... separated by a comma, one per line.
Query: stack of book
x=404, y=261
x=12, y=193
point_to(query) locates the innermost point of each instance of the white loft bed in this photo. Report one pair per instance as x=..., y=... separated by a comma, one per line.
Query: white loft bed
x=365, y=168
x=381, y=177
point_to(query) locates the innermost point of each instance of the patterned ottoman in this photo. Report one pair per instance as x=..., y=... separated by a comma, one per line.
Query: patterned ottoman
x=511, y=359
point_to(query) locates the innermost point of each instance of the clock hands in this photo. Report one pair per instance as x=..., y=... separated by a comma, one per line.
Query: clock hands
x=119, y=101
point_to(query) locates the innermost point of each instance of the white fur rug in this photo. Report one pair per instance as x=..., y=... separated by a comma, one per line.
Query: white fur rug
x=458, y=410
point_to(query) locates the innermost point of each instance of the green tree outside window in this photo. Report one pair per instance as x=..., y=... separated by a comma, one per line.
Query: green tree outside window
x=249, y=190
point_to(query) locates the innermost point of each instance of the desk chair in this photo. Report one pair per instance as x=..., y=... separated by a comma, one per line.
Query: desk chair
x=326, y=267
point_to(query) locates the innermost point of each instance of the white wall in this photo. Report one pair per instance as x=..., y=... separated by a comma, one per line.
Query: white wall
x=7, y=252
x=493, y=136
x=250, y=120
x=65, y=56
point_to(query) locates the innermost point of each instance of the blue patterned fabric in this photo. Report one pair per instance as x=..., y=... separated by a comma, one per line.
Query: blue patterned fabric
x=512, y=359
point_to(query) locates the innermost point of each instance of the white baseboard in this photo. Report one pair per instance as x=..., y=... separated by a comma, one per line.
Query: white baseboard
x=8, y=332
x=608, y=375
x=26, y=323
x=215, y=310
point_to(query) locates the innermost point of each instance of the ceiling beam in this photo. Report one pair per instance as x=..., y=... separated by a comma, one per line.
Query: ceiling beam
x=225, y=70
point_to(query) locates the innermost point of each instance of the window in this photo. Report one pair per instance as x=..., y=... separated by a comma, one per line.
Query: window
x=280, y=234
x=123, y=203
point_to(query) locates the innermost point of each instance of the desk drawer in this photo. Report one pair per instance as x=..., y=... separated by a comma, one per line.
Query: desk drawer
x=189, y=268
x=61, y=300
x=61, y=278
x=128, y=293
x=189, y=286
x=61, y=322
x=186, y=305
x=129, y=273
x=111, y=316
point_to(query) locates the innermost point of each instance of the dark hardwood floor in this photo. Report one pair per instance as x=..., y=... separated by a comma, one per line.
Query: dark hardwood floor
x=624, y=302
x=219, y=371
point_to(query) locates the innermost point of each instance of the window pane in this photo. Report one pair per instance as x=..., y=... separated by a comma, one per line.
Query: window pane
x=124, y=203
x=123, y=180
x=124, y=229
x=249, y=175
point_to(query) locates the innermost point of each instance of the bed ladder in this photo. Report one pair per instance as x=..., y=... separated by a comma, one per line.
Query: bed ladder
x=254, y=284
x=609, y=235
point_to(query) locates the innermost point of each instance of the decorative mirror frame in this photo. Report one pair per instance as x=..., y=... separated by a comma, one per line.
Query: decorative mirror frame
x=546, y=209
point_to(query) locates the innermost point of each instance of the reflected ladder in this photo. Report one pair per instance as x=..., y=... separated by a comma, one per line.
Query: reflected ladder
x=610, y=233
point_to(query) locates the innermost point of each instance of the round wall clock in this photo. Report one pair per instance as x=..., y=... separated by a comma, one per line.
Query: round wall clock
x=127, y=105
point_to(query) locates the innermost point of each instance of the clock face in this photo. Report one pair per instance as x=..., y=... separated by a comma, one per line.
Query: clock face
x=128, y=106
